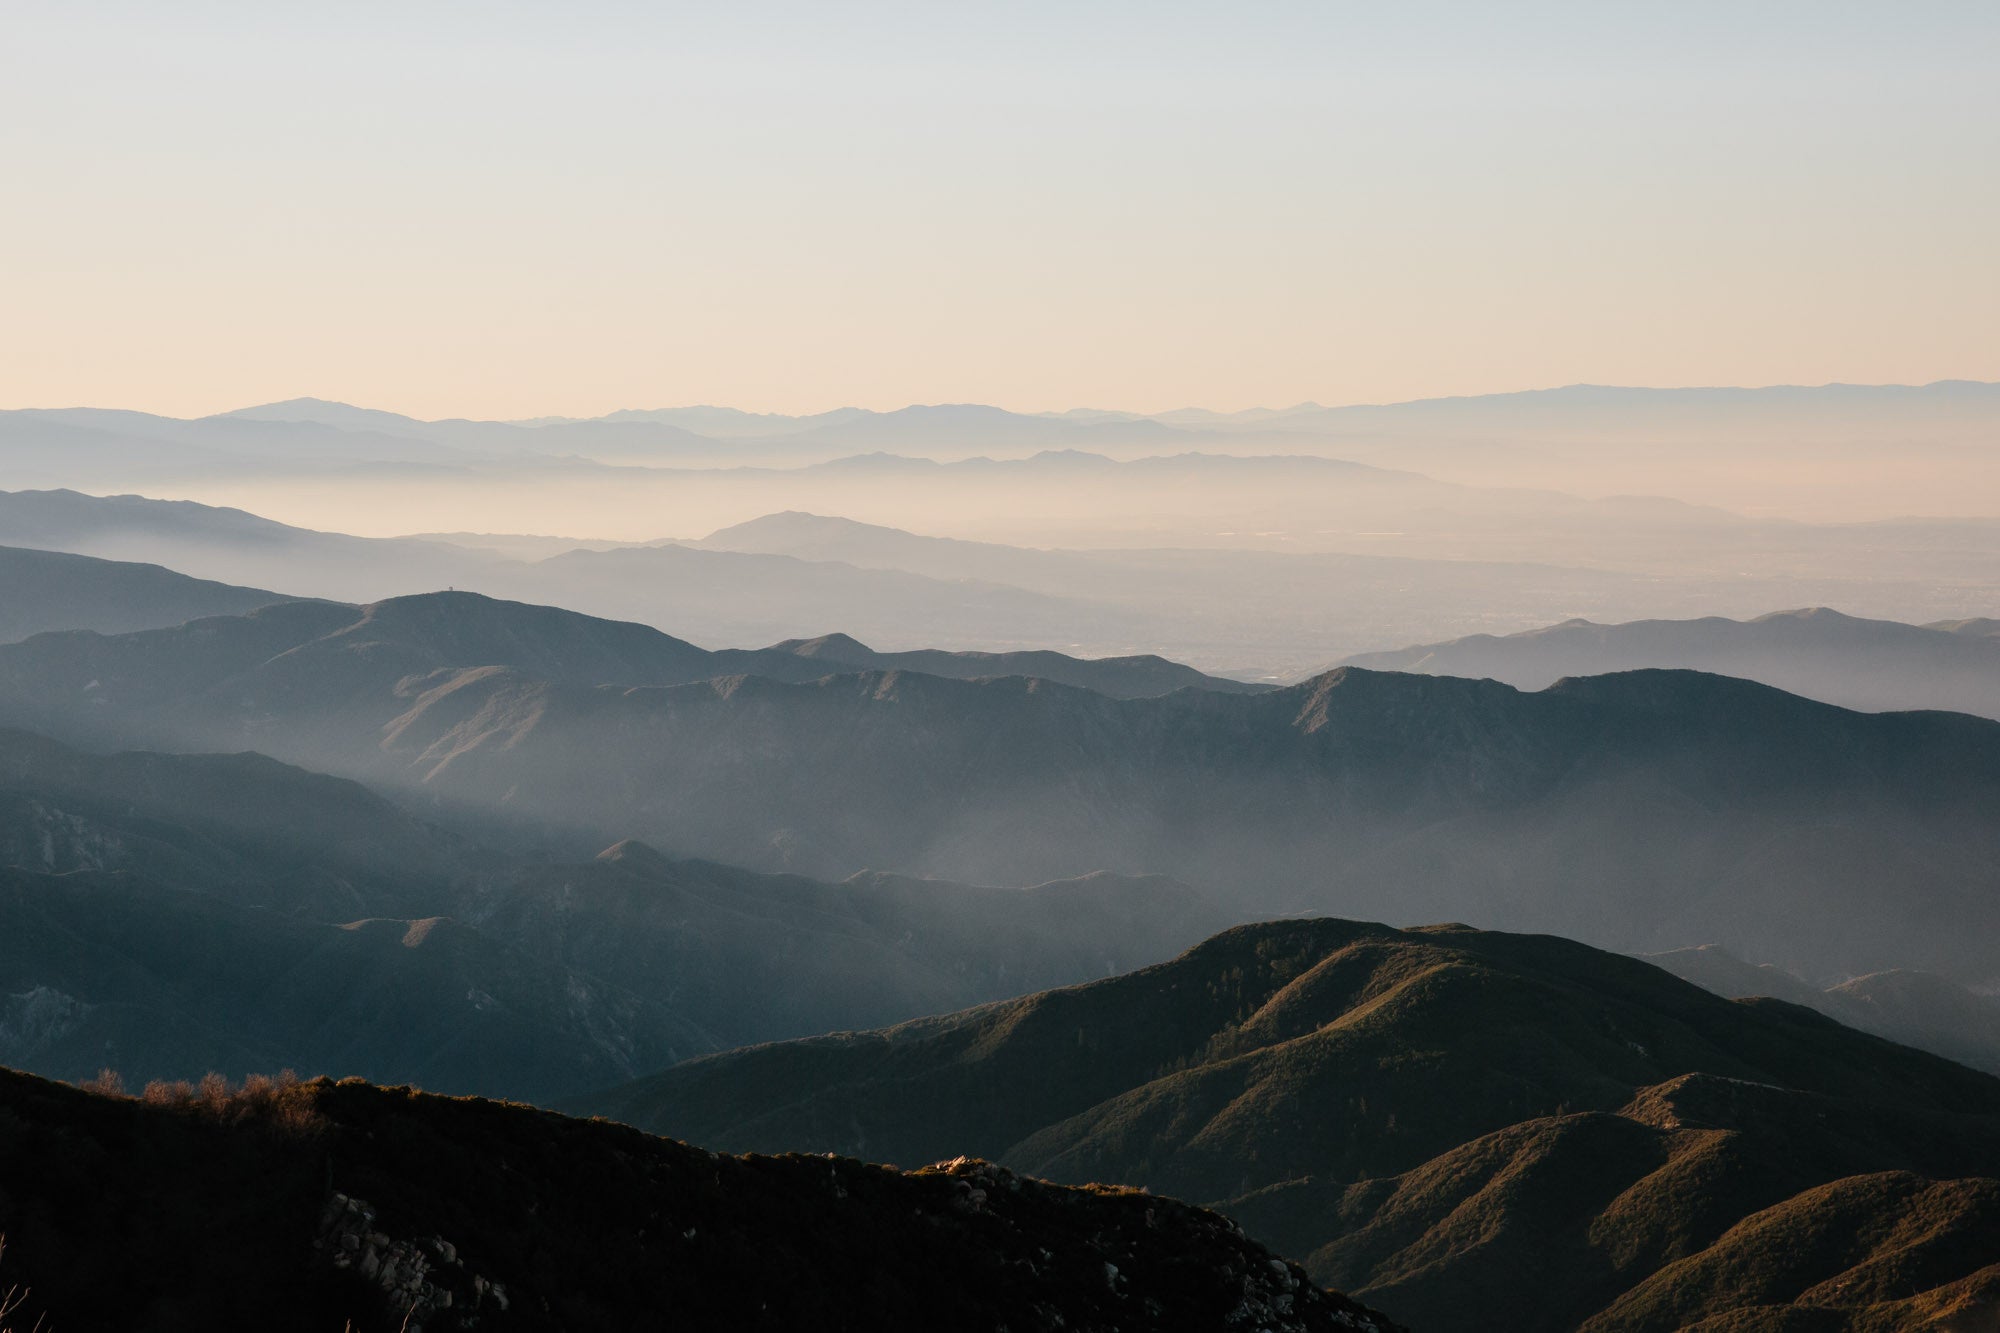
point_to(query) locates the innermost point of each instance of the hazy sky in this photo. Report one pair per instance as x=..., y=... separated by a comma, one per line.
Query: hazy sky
x=500, y=209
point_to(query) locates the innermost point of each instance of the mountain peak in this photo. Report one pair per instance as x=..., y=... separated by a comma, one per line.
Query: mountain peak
x=324, y=412
x=638, y=857
x=842, y=648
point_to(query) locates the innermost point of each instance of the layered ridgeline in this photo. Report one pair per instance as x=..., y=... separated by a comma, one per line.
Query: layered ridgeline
x=788, y=574
x=1822, y=654
x=167, y=915
x=1643, y=811
x=1470, y=1130
x=50, y=590
x=719, y=596
x=374, y=647
x=1267, y=613
x=351, y=1207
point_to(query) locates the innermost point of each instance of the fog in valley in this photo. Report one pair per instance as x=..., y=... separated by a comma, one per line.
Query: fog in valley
x=1006, y=649
x=1261, y=545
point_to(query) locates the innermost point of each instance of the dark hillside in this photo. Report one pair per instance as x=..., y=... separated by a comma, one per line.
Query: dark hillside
x=320, y=1206
x=167, y=915
x=111, y=971
x=237, y=826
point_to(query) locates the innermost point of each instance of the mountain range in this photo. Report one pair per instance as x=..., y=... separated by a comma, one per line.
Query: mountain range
x=1469, y=1130
x=1644, y=810
x=1842, y=412
x=1258, y=614
x=800, y=576
x=455, y=628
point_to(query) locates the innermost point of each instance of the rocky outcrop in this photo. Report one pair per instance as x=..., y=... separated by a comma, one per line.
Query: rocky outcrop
x=35, y=1019
x=421, y=1281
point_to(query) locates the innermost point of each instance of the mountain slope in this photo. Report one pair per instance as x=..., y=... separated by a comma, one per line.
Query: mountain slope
x=744, y=957
x=52, y=590
x=117, y=972
x=238, y=826
x=1473, y=1130
x=212, y=542
x=167, y=915
x=1866, y=664
x=322, y=1206
x=553, y=980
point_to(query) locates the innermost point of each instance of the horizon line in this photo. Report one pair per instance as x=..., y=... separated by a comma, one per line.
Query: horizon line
x=1303, y=406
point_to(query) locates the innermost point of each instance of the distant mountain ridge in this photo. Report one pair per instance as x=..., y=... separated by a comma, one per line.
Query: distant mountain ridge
x=1914, y=1008
x=218, y=542
x=725, y=597
x=1472, y=1131
x=1255, y=614
x=52, y=590
x=387, y=641
x=1816, y=652
x=1572, y=397
x=1119, y=677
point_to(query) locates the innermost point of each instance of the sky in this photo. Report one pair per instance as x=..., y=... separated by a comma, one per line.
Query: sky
x=509, y=209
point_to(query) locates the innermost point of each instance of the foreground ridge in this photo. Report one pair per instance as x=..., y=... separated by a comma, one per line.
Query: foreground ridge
x=1475, y=1132
x=324, y=1205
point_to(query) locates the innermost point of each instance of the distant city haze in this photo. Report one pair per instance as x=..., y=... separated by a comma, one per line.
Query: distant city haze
x=509, y=210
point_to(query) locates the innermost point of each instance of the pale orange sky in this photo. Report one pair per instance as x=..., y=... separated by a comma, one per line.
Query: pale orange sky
x=511, y=210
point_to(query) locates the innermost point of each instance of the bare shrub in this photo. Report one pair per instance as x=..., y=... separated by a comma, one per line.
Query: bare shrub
x=106, y=1084
x=279, y=1102
x=13, y=1304
x=162, y=1093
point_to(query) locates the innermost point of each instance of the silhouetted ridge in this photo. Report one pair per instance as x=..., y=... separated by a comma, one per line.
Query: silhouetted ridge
x=329, y=1206
x=49, y=591
x=1813, y=651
